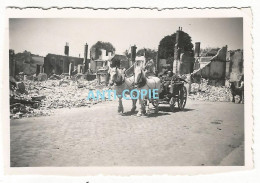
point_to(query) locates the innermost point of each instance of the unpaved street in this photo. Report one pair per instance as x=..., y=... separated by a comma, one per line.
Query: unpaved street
x=205, y=133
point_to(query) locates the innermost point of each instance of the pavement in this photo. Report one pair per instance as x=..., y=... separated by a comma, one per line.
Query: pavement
x=204, y=134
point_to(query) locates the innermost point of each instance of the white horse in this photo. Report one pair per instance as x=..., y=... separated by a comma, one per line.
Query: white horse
x=121, y=83
x=146, y=83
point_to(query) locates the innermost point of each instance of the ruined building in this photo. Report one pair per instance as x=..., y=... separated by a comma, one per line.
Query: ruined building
x=212, y=68
x=25, y=62
x=30, y=64
x=120, y=61
x=183, y=61
x=100, y=60
x=58, y=64
x=212, y=65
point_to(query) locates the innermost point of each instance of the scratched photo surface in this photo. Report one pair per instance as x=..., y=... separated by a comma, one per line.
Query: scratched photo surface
x=126, y=92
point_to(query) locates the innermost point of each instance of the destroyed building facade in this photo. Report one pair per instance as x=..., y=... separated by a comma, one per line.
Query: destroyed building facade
x=120, y=61
x=58, y=64
x=212, y=68
x=24, y=62
x=216, y=64
x=100, y=59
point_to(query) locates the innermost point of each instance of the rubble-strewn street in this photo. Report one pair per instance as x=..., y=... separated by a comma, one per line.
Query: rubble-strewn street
x=65, y=98
x=205, y=133
x=41, y=97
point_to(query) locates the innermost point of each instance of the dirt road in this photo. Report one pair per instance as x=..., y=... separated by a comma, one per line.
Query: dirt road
x=205, y=133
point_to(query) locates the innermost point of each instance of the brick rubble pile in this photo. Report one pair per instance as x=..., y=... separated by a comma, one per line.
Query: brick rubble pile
x=41, y=98
x=206, y=92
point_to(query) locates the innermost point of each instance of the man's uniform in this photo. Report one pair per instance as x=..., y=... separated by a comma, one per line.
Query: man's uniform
x=167, y=81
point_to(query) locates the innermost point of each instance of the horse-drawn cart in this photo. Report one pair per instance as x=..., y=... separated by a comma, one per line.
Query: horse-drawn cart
x=172, y=90
x=174, y=93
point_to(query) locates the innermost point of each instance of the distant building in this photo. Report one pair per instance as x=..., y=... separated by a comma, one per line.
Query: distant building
x=100, y=60
x=27, y=62
x=120, y=61
x=58, y=64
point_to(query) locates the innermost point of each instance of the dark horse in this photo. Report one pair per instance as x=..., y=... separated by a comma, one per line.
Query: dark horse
x=237, y=90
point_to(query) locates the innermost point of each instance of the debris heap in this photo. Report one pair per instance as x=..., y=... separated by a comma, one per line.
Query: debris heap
x=205, y=92
x=40, y=98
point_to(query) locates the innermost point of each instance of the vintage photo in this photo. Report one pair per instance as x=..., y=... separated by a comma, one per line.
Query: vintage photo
x=127, y=92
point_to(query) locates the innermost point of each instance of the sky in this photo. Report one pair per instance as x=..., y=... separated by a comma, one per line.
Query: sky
x=49, y=35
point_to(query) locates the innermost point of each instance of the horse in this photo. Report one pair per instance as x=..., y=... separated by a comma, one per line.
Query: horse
x=237, y=91
x=121, y=83
x=145, y=83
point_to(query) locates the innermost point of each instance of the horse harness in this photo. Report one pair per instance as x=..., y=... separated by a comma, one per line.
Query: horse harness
x=142, y=83
x=119, y=83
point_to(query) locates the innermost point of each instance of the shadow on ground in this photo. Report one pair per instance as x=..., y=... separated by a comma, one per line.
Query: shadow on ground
x=163, y=110
x=167, y=109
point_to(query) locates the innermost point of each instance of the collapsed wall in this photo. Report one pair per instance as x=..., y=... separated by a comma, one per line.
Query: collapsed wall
x=213, y=69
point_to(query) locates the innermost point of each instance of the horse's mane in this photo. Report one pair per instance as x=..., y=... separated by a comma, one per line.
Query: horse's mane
x=130, y=71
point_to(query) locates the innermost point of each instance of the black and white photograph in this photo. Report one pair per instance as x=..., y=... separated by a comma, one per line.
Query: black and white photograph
x=127, y=92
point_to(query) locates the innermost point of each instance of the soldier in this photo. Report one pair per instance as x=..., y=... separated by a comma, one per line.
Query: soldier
x=167, y=81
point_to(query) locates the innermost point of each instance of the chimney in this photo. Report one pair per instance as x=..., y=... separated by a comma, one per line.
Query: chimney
x=66, y=50
x=12, y=63
x=86, y=57
x=176, y=46
x=179, y=44
x=133, y=53
x=197, y=49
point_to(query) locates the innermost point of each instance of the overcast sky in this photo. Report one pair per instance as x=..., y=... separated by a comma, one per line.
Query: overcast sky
x=43, y=36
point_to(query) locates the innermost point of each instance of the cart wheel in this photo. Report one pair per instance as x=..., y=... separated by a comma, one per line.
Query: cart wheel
x=172, y=104
x=182, y=98
x=155, y=102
